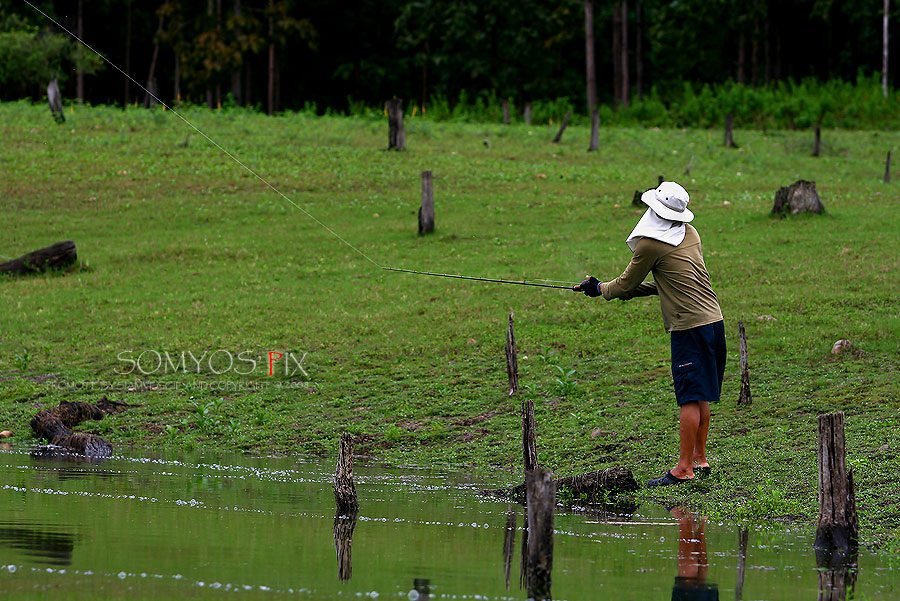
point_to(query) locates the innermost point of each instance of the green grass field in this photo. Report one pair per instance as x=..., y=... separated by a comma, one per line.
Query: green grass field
x=183, y=251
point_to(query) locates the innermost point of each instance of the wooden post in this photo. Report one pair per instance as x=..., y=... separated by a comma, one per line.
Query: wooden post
x=541, y=503
x=505, y=111
x=562, y=128
x=512, y=363
x=426, y=211
x=817, y=144
x=595, y=131
x=590, y=70
x=745, y=397
x=887, y=168
x=838, y=528
x=690, y=164
x=834, y=583
x=529, y=447
x=743, y=535
x=396, y=135
x=729, y=138
x=344, y=491
x=509, y=543
x=55, y=100
x=55, y=256
x=343, y=544
x=527, y=113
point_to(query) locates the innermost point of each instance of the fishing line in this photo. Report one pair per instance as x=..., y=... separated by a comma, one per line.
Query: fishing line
x=266, y=182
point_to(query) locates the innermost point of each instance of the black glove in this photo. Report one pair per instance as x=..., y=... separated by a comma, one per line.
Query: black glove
x=590, y=286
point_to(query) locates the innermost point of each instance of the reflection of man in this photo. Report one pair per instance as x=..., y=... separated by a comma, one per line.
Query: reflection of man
x=691, y=584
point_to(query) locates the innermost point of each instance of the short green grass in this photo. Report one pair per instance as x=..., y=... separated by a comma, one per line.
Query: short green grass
x=181, y=250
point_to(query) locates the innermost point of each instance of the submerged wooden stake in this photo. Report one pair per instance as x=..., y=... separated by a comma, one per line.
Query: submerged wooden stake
x=745, y=398
x=541, y=503
x=838, y=528
x=512, y=363
x=426, y=211
x=562, y=128
x=344, y=491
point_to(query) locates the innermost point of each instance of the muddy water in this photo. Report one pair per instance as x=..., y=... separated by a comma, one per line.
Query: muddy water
x=211, y=526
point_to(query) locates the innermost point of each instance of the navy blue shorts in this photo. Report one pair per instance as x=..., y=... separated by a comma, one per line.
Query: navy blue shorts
x=698, y=363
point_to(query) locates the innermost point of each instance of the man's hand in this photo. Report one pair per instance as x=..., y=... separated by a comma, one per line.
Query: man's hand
x=591, y=286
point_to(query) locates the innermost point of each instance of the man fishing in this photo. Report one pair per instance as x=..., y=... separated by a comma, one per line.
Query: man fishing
x=665, y=245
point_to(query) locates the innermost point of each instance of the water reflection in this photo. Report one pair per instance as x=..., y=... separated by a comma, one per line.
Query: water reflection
x=691, y=583
x=343, y=544
x=837, y=573
x=39, y=543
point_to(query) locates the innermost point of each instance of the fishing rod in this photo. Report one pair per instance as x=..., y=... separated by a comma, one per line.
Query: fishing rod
x=469, y=277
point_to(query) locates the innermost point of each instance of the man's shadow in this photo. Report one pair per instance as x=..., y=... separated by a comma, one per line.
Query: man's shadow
x=690, y=583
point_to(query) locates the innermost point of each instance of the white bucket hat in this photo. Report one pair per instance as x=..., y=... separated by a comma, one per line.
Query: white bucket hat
x=669, y=200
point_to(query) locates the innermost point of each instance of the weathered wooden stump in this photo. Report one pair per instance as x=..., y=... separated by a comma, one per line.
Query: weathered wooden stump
x=396, y=133
x=512, y=362
x=799, y=197
x=529, y=447
x=55, y=256
x=745, y=397
x=527, y=113
x=54, y=426
x=344, y=491
x=595, y=131
x=55, y=100
x=426, y=211
x=343, y=544
x=838, y=528
x=505, y=111
x=887, y=168
x=588, y=488
x=562, y=127
x=541, y=503
x=817, y=142
x=729, y=135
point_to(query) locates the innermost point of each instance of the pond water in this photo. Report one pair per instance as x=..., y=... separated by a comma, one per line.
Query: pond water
x=143, y=525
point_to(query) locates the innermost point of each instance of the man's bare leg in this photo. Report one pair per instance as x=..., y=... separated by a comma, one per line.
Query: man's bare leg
x=689, y=430
x=702, y=433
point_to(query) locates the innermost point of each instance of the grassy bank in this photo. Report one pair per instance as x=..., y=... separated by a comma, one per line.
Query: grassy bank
x=183, y=252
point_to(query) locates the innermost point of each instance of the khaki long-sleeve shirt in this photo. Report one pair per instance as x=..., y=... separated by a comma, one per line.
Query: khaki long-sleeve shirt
x=680, y=279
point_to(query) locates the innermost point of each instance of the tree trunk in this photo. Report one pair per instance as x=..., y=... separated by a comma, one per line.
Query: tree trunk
x=527, y=113
x=79, y=74
x=638, y=49
x=745, y=397
x=177, y=71
x=61, y=254
x=838, y=527
x=742, y=43
x=505, y=111
x=884, y=49
x=541, y=504
x=128, y=19
x=623, y=55
x=236, y=73
x=595, y=131
x=591, y=73
x=396, y=133
x=512, y=361
x=152, y=74
x=562, y=128
x=271, y=82
x=616, y=51
x=54, y=426
x=729, y=136
x=426, y=211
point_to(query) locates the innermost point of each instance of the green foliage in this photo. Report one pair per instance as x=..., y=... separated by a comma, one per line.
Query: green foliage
x=22, y=360
x=30, y=60
x=565, y=382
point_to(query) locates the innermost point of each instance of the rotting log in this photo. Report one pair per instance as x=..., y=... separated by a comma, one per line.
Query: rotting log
x=529, y=446
x=343, y=544
x=344, y=492
x=396, y=133
x=562, y=128
x=799, y=197
x=426, y=211
x=541, y=495
x=54, y=425
x=838, y=528
x=595, y=131
x=591, y=487
x=55, y=256
x=512, y=362
x=745, y=397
